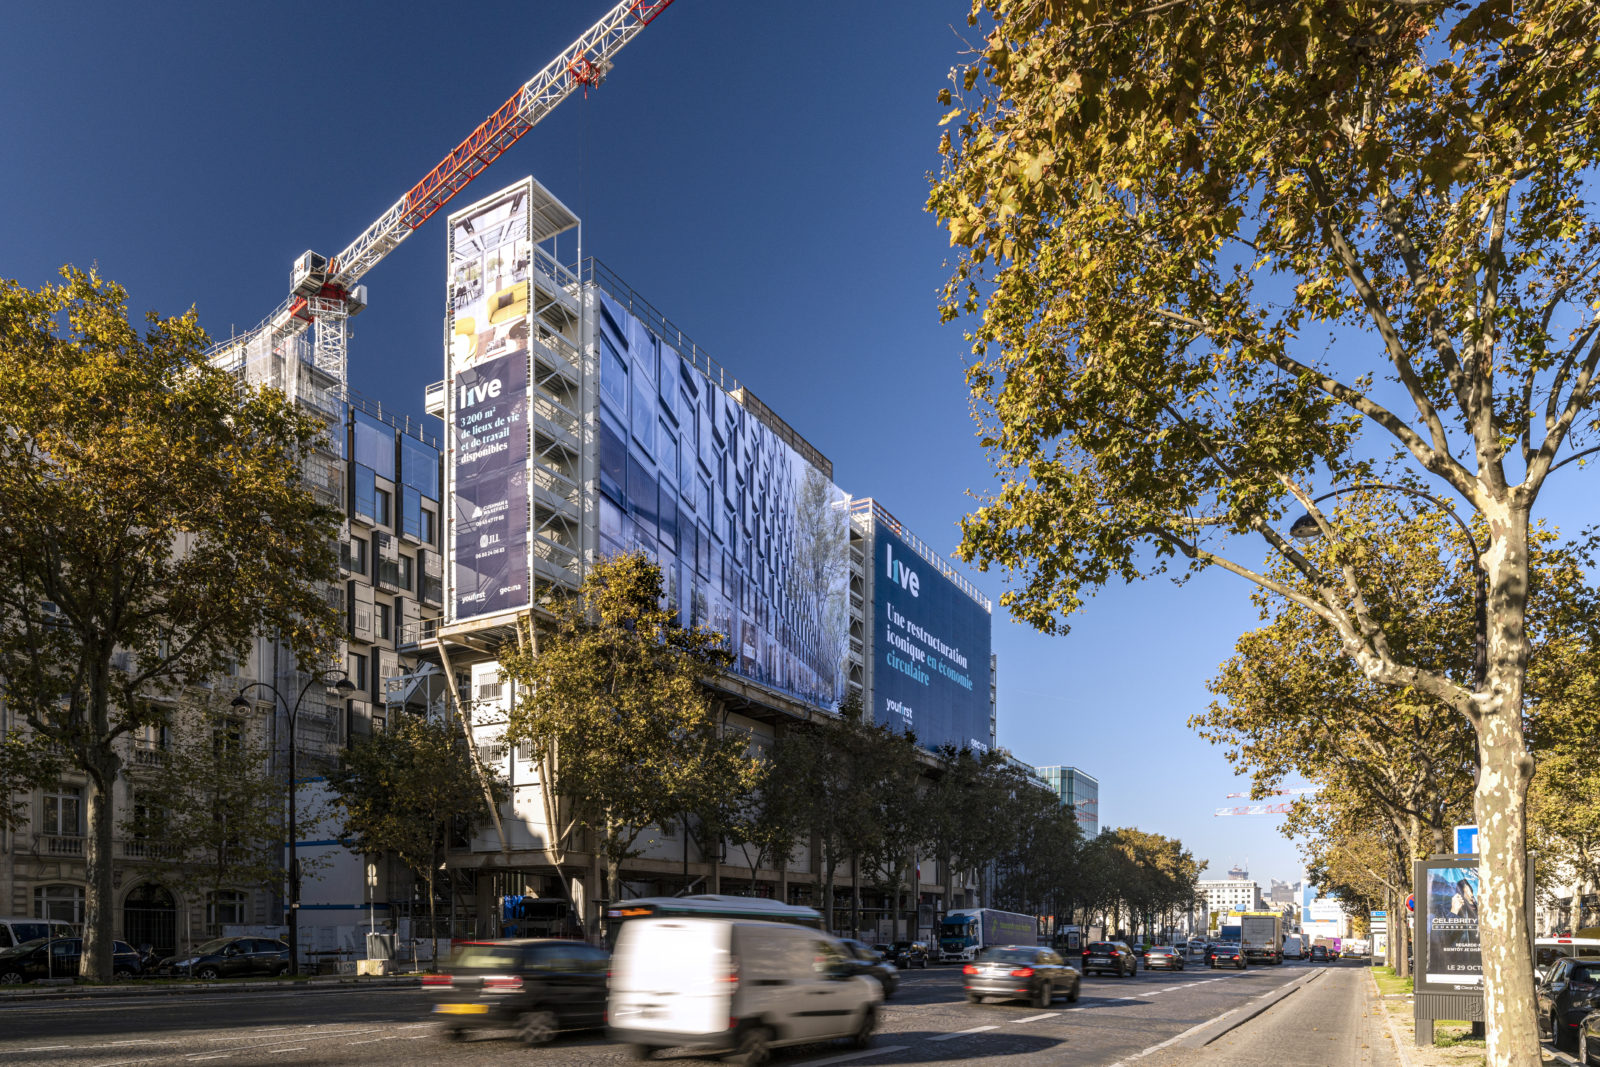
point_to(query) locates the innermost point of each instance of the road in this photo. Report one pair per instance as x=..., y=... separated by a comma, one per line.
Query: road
x=1153, y=1018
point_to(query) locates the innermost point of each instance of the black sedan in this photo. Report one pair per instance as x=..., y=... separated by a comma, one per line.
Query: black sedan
x=1020, y=972
x=536, y=986
x=864, y=959
x=1589, y=1039
x=1113, y=956
x=230, y=957
x=1161, y=957
x=1224, y=954
x=59, y=958
x=1568, y=993
x=1320, y=952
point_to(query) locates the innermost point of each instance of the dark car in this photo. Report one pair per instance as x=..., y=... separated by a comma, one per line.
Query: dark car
x=1163, y=957
x=536, y=986
x=1020, y=972
x=1223, y=954
x=1113, y=956
x=1320, y=952
x=1589, y=1039
x=1569, y=991
x=230, y=957
x=864, y=959
x=59, y=958
x=906, y=954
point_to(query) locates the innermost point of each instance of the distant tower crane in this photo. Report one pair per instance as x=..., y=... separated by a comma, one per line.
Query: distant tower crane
x=324, y=292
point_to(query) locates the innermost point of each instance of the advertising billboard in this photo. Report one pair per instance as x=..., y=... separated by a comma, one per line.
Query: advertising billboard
x=490, y=255
x=753, y=541
x=1451, y=955
x=931, y=650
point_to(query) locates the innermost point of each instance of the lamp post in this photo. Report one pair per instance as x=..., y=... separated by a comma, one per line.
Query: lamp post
x=1305, y=528
x=344, y=687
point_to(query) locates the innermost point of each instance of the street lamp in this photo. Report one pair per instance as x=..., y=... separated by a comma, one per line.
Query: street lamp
x=1306, y=528
x=344, y=687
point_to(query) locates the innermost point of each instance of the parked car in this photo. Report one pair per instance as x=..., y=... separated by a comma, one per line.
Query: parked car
x=16, y=930
x=1546, y=950
x=1589, y=1039
x=536, y=986
x=907, y=954
x=735, y=985
x=1320, y=953
x=230, y=957
x=869, y=961
x=1020, y=972
x=1569, y=991
x=1114, y=956
x=59, y=958
x=1224, y=954
x=1162, y=957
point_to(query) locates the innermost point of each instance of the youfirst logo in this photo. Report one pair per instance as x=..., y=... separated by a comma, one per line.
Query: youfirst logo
x=898, y=572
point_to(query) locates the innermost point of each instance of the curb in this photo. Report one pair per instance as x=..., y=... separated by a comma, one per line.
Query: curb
x=21, y=996
x=1388, y=1020
x=1239, y=1016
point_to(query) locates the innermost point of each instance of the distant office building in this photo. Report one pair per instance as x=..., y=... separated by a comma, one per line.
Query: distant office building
x=1232, y=894
x=1240, y=872
x=1079, y=791
x=1284, y=893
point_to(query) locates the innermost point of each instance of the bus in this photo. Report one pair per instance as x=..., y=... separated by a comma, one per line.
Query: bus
x=708, y=906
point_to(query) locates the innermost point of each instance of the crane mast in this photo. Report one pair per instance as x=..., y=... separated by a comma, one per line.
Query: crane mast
x=325, y=292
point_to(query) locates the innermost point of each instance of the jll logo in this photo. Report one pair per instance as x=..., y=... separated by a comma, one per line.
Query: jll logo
x=899, y=573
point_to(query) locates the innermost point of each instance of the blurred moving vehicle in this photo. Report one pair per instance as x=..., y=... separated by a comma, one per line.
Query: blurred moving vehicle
x=230, y=957
x=907, y=954
x=1114, y=956
x=1546, y=950
x=1294, y=947
x=1021, y=972
x=867, y=960
x=1568, y=993
x=731, y=985
x=1320, y=954
x=1163, y=957
x=1225, y=954
x=17, y=929
x=59, y=958
x=536, y=986
x=707, y=906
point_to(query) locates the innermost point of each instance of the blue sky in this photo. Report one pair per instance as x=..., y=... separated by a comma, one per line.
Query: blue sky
x=756, y=171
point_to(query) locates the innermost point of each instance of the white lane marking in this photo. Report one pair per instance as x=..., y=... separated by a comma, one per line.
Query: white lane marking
x=371, y=1040
x=213, y=1056
x=38, y=1048
x=1036, y=1018
x=263, y=1029
x=963, y=1033
x=296, y=1048
x=1173, y=1040
x=848, y=1056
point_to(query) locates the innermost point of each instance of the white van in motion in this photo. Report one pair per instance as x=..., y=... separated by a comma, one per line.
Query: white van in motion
x=731, y=985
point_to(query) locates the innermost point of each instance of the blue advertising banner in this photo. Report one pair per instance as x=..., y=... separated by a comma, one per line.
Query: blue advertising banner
x=491, y=486
x=931, y=670
x=489, y=257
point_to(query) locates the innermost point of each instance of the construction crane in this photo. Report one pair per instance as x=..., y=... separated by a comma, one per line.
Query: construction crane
x=1256, y=809
x=324, y=291
x=1286, y=791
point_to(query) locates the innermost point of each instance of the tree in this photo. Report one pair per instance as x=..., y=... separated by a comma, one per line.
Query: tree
x=767, y=823
x=156, y=520
x=837, y=801
x=211, y=804
x=1212, y=244
x=902, y=823
x=408, y=790
x=614, y=695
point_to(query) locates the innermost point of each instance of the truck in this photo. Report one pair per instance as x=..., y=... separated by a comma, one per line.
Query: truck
x=1332, y=944
x=966, y=932
x=1261, y=936
x=1294, y=947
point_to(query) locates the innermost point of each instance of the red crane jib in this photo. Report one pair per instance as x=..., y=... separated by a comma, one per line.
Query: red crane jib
x=493, y=136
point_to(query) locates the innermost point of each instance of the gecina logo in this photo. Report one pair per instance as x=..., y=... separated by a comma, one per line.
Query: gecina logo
x=899, y=573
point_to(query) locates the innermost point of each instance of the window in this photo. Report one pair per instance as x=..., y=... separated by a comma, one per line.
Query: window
x=374, y=445
x=225, y=907
x=356, y=668
x=419, y=467
x=613, y=374
x=365, y=485
x=62, y=813
x=415, y=521
x=385, y=618
x=63, y=902
x=381, y=510
x=353, y=555
x=405, y=572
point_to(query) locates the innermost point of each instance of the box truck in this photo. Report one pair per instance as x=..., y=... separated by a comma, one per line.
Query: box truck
x=965, y=933
x=1261, y=936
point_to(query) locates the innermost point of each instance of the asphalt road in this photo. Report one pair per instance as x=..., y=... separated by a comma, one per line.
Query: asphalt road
x=1115, y=1022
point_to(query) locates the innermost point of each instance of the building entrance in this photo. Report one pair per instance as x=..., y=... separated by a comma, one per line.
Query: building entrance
x=150, y=917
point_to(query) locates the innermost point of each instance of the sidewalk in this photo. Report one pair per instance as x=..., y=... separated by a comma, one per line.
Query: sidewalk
x=11, y=995
x=1454, y=1047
